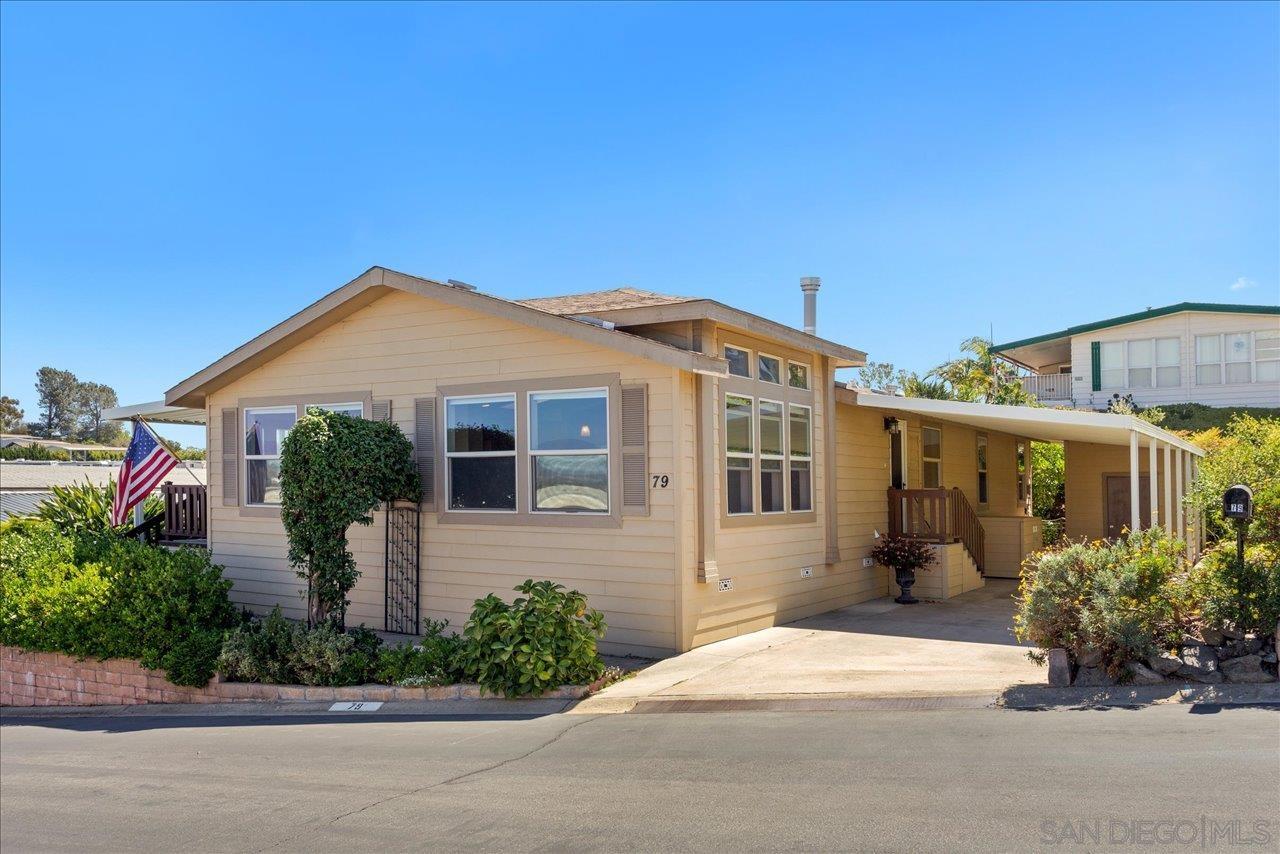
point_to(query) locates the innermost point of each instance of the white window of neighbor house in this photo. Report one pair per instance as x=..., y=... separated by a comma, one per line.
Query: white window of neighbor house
x=1266, y=348
x=800, y=457
x=739, y=361
x=797, y=375
x=1111, y=356
x=739, y=454
x=982, y=468
x=265, y=428
x=354, y=410
x=772, y=484
x=931, y=457
x=1208, y=360
x=1168, y=362
x=769, y=369
x=569, y=450
x=1140, y=358
x=480, y=452
x=1238, y=349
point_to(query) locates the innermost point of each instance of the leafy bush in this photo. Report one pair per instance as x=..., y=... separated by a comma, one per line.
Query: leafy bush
x=1240, y=596
x=431, y=661
x=1122, y=600
x=902, y=553
x=33, y=452
x=1248, y=452
x=259, y=650
x=99, y=596
x=85, y=507
x=542, y=640
x=281, y=651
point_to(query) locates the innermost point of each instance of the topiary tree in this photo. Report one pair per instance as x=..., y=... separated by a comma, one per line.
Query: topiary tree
x=334, y=471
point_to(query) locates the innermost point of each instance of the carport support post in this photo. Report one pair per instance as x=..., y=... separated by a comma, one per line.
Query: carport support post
x=1168, y=489
x=1180, y=463
x=1153, y=459
x=1135, y=512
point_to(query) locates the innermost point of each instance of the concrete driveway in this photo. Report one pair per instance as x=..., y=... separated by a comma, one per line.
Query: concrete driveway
x=961, y=647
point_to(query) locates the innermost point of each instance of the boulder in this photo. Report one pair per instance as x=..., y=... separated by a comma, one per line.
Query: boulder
x=1089, y=657
x=1233, y=634
x=1164, y=663
x=1268, y=656
x=1247, y=668
x=1199, y=664
x=1093, y=677
x=1059, y=668
x=1140, y=674
x=1213, y=637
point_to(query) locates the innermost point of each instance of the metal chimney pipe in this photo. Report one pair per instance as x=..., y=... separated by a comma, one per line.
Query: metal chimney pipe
x=810, y=285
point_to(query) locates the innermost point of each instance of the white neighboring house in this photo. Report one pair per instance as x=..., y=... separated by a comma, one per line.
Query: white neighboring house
x=1210, y=353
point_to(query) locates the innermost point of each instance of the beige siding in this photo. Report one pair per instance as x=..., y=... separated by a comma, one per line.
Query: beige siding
x=1185, y=327
x=400, y=348
x=1087, y=466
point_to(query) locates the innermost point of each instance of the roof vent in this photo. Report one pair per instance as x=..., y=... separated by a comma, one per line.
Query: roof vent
x=810, y=285
x=462, y=286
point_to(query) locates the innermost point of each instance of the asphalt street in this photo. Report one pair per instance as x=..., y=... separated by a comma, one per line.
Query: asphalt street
x=1176, y=777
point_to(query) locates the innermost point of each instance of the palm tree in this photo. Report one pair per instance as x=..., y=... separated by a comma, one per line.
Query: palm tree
x=981, y=377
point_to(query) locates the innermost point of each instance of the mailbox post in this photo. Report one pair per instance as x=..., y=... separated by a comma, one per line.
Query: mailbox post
x=1237, y=505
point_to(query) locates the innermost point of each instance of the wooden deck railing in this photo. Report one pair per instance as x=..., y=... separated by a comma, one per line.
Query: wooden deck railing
x=937, y=516
x=186, y=511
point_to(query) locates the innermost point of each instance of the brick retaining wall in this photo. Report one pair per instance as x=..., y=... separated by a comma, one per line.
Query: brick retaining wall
x=53, y=679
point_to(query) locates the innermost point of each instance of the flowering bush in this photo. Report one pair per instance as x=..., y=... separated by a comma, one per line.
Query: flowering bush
x=902, y=553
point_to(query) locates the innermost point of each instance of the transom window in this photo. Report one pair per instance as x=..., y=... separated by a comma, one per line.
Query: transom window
x=769, y=369
x=797, y=375
x=264, y=430
x=480, y=452
x=931, y=457
x=569, y=450
x=739, y=361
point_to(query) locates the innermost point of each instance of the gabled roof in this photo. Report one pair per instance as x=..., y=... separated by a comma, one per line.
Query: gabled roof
x=594, y=301
x=377, y=282
x=1226, y=308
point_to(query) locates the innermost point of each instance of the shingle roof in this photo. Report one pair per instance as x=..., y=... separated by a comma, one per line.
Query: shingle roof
x=16, y=475
x=612, y=300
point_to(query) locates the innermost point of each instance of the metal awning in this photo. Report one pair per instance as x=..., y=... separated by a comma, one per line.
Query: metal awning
x=1042, y=424
x=156, y=412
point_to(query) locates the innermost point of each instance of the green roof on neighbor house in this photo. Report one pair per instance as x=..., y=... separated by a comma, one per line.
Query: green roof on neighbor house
x=1227, y=308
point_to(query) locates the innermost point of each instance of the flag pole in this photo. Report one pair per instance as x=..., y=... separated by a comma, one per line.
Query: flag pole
x=165, y=444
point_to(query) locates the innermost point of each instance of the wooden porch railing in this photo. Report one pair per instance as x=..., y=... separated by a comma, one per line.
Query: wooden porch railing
x=937, y=516
x=1048, y=386
x=186, y=511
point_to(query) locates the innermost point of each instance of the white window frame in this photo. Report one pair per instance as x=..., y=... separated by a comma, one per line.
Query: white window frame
x=793, y=456
x=1123, y=369
x=808, y=374
x=741, y=455
x=1256, y=361
x=513, y=453
x=582, y=452
x=1156, y=367
x=750, y=360
x=333, y=407
x=1223, y=361
x=782, y=369
x=244, y=432
x=784, y=426
x=924, y=459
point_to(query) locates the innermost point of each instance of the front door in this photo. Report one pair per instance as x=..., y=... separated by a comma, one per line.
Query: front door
x=1118, y=519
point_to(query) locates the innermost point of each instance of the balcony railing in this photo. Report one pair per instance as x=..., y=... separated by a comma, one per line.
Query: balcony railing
x=1048, y=386
x=937, y=516
x=186, y=511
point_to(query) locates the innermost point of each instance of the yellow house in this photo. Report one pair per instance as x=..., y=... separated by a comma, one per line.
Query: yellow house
x=696, y=470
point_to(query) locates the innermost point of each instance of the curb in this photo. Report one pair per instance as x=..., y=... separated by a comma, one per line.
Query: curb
x=1028, y=697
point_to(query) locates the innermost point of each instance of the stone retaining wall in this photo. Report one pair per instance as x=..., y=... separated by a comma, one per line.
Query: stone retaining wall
x=52, y=679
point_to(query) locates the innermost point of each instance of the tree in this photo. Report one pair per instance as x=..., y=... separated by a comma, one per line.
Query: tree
x=880, y=376
x=10, y=414
x=91, y=400
x=981, y=377
x=931, y=389
x=59, y=402
x=1048, y=480
x=334, y=470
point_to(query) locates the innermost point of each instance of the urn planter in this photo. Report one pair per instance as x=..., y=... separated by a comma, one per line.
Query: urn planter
x=905, y=579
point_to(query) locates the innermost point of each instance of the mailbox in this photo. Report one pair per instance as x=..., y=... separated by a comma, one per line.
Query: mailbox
x=1237, y=502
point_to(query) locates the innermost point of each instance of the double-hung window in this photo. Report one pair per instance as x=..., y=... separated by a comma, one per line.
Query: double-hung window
x=1111, y=354
x=480, y=452
x=1168, y=362
x=931, y=457
x=1266, y=351
x=569, y=450
x=800, y=457
x=739, y=453
x=264, y=430
x=1239, y=356
x=773, y=497
x=1141, y=356
x=1208, y=360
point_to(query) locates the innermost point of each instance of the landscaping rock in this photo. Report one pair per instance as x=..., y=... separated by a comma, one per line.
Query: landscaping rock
x=1233, y=634
x=1093, y=677
x=1213, y=637
x=1089, y=658
x=1059, y=668
x=1247, y=668
x=1268, y=657
x=1164, y=663
x=1200, y=664
x=1140, y=674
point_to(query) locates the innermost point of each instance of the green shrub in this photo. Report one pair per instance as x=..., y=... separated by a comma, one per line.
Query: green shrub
x=1244, y=597
x=430, y=661
x=100, y=596
x=259, y=650
x=33, y=452
x=85, y=507
x=283, y=652
x=542, y=640
x=1123, y=599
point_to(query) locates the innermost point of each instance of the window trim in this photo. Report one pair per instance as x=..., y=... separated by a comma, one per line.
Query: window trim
x=246, y=457
x=937, y=459
x=607, y=452
x=778, y=457
x=750, y=353
x=514, y=453
x=782, y=368
x=1153, y=368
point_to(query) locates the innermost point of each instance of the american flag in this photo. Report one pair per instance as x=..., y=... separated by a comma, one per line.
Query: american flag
x=145, y=464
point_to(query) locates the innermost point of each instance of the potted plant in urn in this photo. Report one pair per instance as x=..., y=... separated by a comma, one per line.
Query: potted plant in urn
x=904, y=556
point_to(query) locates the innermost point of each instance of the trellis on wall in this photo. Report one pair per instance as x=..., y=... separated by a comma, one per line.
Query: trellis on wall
x=404, y=527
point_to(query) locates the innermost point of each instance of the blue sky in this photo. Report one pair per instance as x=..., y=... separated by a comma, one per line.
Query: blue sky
x=176, y=179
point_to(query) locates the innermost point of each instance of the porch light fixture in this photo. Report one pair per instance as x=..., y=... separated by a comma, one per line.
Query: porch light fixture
x=893, y=425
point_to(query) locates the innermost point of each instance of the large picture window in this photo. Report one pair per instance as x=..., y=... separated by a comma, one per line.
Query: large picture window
x=264, y=431
x=800, y=457
x=569, y=450
x=739, y=453
x=480, y=450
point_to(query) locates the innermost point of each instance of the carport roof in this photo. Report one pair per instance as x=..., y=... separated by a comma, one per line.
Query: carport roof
x=1046, y=425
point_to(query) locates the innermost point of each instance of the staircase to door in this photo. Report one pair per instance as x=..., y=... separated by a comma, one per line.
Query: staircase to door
x=937, y=516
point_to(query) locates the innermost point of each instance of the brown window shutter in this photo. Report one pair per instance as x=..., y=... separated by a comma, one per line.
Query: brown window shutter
x=424, y=447
x=635, y=450
x=381, y=411
x=230, y=457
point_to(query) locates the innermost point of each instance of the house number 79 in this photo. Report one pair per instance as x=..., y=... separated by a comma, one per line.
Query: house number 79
x=661, y=481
